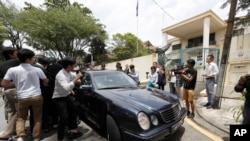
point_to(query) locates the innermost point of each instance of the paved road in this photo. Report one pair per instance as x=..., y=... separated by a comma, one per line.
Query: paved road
x=188, y=132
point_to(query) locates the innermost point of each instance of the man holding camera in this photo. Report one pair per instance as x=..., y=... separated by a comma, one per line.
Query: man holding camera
x=189, y=77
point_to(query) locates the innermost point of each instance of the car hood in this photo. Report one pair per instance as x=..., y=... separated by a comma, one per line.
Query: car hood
x=149, y=98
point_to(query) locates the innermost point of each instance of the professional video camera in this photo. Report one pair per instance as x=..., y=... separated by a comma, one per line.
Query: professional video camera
x=179, y=69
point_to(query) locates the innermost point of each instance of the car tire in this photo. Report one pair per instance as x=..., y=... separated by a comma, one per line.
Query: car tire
x=113, y=131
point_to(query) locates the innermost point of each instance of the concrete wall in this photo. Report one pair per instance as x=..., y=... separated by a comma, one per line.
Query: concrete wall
x=142, y=64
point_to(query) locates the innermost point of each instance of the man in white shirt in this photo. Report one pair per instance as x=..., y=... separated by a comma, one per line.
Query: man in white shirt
x=66, y=109
x=211, y=71
x=134, y=73
x=25, y=78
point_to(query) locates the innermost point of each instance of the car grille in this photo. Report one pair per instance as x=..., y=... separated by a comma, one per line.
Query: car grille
x=170, y=114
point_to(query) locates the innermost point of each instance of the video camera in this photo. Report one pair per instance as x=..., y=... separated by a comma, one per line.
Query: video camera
x=179, y=69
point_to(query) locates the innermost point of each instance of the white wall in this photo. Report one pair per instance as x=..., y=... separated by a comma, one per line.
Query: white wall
x=142, y=64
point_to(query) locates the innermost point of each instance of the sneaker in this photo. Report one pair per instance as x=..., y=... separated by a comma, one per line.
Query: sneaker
x=188, y=113
x=191, y=115
x=20, y=139
x=3, y=135
x=73, y=135
x=36, y=139
x=206, y=105
x=210, y=107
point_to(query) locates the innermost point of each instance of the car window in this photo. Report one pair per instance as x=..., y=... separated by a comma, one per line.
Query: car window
x=113, y=80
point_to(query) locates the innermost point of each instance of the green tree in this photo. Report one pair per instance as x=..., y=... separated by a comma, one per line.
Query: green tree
x=8, y=14
x=51, y=4
x=97, y=48
x=125, y=46
x=2, y=30
x=68, y=31
x=2, y=38
x=242, y=5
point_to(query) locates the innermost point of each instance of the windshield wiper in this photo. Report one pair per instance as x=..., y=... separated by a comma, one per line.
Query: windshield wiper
x=117, y=87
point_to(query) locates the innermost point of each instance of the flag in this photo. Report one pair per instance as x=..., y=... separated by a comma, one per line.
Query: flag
x=137, y=8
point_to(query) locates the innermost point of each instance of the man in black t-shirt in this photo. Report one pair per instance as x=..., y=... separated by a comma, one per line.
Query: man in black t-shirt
x=9, y=95
x=189, y=76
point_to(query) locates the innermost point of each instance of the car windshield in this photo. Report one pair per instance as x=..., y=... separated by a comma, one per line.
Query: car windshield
x=113, y=80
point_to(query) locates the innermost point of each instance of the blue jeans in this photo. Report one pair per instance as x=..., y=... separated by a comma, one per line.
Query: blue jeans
x=150, y=84
x=210, y=90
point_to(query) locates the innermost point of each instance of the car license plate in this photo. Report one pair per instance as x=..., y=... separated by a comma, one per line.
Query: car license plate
x=176, y=126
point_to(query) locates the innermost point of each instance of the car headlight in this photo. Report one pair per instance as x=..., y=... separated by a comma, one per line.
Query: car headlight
x=154, y=120
x=143, y=121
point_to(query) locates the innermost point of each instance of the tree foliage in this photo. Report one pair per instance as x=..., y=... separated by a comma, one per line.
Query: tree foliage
x=243, y=5
x=2, y=38
x=128, y=46
x=60, y=28
x=8, y=31
x=66, y=29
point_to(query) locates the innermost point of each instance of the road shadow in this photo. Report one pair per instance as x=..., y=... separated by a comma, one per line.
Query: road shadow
x=226, y=138
x=177, y=136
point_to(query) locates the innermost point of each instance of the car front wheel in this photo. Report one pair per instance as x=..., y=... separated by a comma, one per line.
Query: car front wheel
x=113, y=132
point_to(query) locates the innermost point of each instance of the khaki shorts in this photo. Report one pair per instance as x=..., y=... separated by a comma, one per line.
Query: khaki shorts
x=188, y=94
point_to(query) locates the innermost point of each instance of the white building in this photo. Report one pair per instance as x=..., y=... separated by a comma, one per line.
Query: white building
x=204, y=34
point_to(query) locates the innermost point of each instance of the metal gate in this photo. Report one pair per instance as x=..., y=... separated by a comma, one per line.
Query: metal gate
x=179, y=57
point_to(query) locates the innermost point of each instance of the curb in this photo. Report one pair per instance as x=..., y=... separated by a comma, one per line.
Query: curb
x=197, y=111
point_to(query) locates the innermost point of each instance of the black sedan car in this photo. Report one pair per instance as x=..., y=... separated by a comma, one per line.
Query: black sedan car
x=114, y=104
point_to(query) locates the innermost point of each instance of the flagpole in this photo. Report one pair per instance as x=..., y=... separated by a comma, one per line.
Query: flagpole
x=137, y=36
x=137, y=8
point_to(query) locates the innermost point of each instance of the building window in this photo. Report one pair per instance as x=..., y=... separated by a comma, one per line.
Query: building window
x=198, y=41
x=238, y=32
x=195, y=41
x=212, y=39
x=176, y=47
